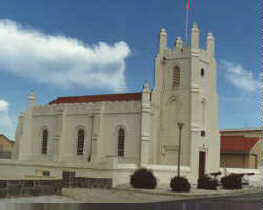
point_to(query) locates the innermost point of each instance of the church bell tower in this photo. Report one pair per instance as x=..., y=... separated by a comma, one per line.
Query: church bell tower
x=185, y=92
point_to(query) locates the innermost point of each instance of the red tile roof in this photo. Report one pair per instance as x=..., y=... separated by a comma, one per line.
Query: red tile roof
x=240, y=130
x=96, y=98
x=237, y=143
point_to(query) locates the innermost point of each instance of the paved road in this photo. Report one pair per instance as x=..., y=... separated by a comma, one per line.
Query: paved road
x=254, y=202
x=247, y=202
x=247, y=198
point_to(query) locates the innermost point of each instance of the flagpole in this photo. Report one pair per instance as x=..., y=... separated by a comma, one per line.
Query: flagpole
x=186, y=25
x=188, y=7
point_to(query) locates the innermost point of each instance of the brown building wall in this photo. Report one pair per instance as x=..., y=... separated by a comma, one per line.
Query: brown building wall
x=246, y=159
x=5, y=144
x=239, y=160
x=233, y=160
x=253, y=162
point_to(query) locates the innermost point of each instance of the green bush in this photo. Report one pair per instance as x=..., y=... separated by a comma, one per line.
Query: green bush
x=180, y=184
x=143, y=178
x=232, y=181
x=206, y=182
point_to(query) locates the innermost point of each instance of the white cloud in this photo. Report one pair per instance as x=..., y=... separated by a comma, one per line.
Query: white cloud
x=6, y=125
x=59, y=60
x=3, y=105
x=239, y=76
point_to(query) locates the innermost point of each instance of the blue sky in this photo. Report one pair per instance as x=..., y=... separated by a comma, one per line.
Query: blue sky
x=65, y=48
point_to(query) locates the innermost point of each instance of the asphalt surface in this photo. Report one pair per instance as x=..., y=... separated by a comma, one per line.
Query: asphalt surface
x=244, y=202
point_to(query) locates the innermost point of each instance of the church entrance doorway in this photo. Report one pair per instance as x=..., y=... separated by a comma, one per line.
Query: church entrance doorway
x=201, y=163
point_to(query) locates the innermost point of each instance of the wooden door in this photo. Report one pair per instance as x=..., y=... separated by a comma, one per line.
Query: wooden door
x=202, y=163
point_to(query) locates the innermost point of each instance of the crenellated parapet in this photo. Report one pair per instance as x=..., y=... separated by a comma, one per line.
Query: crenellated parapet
x=83, y=108
x=171, y=53
x=87, y=108
x=48, y=109
x=122, y=107
x=181, y=49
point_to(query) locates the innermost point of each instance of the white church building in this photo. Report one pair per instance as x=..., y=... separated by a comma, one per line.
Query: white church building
x=111, y=135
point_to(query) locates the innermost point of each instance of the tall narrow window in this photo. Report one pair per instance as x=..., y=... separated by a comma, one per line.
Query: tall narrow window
x=176, y=77
x=80, y=146
x=202, y=72
x=44, y=141
x=121, y=137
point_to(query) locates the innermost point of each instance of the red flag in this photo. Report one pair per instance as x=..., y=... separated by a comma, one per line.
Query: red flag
x=188, y=5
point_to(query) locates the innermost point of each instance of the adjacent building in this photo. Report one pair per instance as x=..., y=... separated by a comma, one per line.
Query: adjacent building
x=241, y=148
x=6, y=146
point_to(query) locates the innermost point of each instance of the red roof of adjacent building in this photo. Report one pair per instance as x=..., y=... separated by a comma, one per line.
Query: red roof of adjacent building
x=96, y=98
x=241, y=130
x=237, y=143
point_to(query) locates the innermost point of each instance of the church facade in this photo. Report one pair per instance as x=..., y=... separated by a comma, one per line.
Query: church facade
x=140, y=129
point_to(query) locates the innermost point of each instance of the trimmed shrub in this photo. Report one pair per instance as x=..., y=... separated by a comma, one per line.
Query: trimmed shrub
x=180, y=184
x=232, y=181
x=206, y=182
x=143, y=178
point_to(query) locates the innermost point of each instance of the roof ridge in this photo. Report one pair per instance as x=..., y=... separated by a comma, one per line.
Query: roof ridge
x=95, y=98
x=100, y=95
x=256, y=127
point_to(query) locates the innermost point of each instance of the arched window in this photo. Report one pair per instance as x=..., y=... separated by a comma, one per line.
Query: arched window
x=121, y=137
x=202, y=72
x=44, y=141
x=176, y=77
x=80, y=145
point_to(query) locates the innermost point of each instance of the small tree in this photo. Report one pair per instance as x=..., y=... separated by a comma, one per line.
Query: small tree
x=143, y=178
x=232, y=181
x=206, y=182
x=180, y=184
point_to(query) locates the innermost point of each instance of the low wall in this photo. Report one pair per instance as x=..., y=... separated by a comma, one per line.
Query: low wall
x=19, y=172
x=33, y=187
x=82, y=182
x=29, y=187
